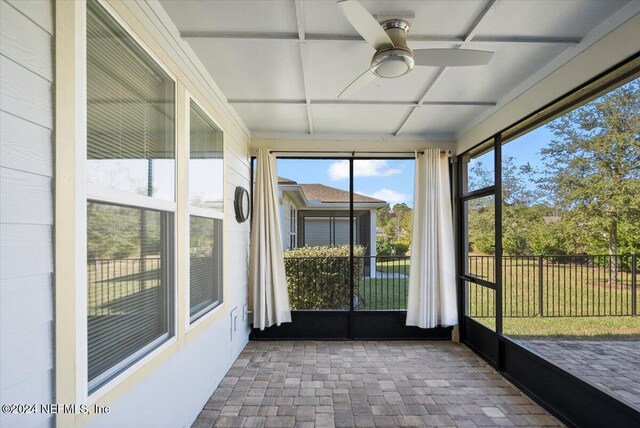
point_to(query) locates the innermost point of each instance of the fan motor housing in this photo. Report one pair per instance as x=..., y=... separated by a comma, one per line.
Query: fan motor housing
x=394, y=61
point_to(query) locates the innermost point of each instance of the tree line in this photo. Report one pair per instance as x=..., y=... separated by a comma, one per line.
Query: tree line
x=584, y=197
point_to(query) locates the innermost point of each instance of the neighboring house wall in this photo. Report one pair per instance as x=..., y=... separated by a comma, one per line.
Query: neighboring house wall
x=26, y=215
x=287, y=228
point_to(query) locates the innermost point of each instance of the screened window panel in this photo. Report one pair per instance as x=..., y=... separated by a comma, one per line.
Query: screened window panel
x=479, y=170
x=130, y=112
x=128, y=277
x=327, y=231
x=205, y=245
x=480, y=238
x=206, y=167
x=341, y=231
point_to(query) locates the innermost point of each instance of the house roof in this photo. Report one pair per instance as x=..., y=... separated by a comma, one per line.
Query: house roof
x=326, y=194
x=282, y=180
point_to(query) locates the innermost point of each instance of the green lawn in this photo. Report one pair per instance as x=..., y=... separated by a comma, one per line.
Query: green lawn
x=394, y=265
x=586, y=328
x=382, y=294
x=567, y=290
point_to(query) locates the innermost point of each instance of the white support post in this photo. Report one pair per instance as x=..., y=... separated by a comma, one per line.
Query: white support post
x=373, y=251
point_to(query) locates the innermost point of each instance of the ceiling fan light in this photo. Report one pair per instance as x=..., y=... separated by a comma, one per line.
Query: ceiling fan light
x=392, y=64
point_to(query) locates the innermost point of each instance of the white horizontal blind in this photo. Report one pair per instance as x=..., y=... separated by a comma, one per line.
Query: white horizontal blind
x=206, y=167
x=127, y=282
x=130, y=147
x=130, y=134
x=206, y=264
x=206, y=184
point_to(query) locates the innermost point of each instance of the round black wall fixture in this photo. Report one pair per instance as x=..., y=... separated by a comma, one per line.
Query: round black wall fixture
x=242, y=204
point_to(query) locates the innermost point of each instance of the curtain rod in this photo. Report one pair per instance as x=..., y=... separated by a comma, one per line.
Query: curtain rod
x=353, y=153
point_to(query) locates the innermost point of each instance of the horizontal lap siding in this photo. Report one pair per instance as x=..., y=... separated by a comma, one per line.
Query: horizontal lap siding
x=26, y=208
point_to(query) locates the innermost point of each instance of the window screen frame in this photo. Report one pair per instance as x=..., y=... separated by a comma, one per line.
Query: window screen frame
x=104, y=382
x=194, y=211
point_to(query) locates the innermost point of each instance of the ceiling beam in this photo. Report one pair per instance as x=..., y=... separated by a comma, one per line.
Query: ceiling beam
x=361, y=102
x=468, y=37
x=304, y=61
x=294, y=37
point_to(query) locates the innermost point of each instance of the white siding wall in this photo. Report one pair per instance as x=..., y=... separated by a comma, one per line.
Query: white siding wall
x=26, y=216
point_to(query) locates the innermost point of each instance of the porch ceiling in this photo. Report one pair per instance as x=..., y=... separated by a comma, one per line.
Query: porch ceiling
x=281, y=63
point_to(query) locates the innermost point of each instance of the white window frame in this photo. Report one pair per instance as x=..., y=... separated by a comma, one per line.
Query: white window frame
x=293, y=227
x=201, y=316
x=72, y=195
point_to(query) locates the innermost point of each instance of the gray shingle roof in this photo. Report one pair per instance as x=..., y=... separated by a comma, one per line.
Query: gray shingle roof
x=326, y=194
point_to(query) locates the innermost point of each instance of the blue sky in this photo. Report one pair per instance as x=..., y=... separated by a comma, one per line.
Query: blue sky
x=392, y=180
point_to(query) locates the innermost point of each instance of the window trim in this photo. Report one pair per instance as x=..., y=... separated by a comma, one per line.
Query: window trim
x=97, y=193
x=193, y=321
x=71, y=196
x=293, y=227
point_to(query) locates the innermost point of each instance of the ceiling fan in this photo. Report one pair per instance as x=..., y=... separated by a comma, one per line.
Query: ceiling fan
x=393, y=58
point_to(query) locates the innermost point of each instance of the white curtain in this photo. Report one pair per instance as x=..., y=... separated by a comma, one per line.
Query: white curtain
x=268, y=294
x=432, y=286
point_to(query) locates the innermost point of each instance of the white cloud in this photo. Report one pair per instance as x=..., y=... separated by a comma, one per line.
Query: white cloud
x=390, y=196
x=361, y=168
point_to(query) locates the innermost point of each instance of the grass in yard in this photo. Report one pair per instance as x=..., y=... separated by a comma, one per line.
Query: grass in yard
x=576, y=328
x=569, y=289
x=382, y=293
x=394, y=266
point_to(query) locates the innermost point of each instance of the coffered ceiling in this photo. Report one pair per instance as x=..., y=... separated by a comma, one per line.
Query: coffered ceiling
x=282, y=63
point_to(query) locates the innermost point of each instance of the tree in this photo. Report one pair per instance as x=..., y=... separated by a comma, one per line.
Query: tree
x=593, y=170
x=396, y=224
x=521, y=210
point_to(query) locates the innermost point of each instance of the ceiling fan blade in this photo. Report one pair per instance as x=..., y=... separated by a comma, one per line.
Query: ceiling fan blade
x=451, y=57
x=363, y=80
x=365, y=24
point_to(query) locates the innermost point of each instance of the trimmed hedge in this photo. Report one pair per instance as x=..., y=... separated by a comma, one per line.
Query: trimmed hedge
x=318, y=277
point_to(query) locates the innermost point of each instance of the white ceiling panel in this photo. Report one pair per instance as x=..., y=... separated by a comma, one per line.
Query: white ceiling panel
x=429, y=120
x=442, y=18
x=274, y=117
x=253, y=69
x=509, y=66
x=232, y=16
x=274, y=60
x=546, y=18
x=358, y=119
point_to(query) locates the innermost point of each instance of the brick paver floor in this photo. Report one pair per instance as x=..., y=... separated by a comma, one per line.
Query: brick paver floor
x=326, y=384
x=613, y=366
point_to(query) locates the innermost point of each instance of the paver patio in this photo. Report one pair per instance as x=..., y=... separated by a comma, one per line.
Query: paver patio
x=613, y=366
x=377, y=383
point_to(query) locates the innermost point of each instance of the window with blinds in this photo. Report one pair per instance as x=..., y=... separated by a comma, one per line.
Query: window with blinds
x=206, y=264
x=128, y=293
x=131, y=148
x=206, y=184
x=206, y=181
x=130, y=115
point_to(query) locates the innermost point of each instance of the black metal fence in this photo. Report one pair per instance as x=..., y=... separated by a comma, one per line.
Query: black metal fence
x=557, y=286
x=385, y=287
x=533, y=286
